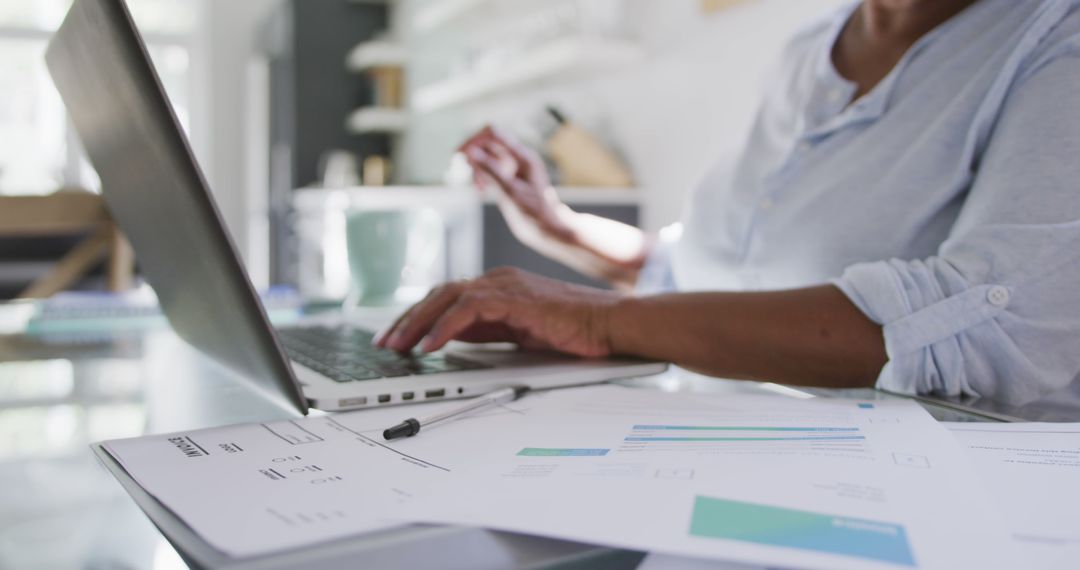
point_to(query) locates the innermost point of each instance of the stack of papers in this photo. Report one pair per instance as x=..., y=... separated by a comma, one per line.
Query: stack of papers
x=754, y=480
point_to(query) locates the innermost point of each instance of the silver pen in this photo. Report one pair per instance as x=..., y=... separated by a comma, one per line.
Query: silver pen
x=412, y=426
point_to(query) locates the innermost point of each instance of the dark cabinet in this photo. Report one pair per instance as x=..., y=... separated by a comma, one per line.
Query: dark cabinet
x=311, y=96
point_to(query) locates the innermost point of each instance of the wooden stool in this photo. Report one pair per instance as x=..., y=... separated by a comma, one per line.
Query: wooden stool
x=65, y=213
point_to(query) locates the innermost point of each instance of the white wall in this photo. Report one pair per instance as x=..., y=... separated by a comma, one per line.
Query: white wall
x=694, y=102
x=225, y=45
x=671, y=116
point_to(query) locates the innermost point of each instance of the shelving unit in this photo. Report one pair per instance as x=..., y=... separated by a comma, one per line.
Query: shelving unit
x=378, y=120
x=568, y=57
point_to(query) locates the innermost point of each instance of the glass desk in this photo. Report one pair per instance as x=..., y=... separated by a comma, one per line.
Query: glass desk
x=59, y=508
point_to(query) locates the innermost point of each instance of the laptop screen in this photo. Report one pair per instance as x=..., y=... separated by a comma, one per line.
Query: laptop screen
x=158, y=195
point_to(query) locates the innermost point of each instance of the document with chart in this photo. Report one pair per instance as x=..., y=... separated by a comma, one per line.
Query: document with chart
x=765, y=480
x=1031, y=471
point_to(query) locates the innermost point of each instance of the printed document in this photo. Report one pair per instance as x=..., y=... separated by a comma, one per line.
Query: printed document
x=753, y=479
x=259, y=488
x=1032, y=471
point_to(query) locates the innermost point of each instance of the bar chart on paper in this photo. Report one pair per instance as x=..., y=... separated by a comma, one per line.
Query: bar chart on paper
x=723, y=438
x=806, y=530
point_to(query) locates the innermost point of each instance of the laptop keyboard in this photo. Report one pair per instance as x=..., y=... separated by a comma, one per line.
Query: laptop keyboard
x=346, y=354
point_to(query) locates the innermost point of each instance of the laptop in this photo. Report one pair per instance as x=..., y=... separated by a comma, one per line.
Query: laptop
x=157, y=193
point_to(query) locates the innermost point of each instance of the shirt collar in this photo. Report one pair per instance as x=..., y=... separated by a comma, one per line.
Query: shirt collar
x=831, y=103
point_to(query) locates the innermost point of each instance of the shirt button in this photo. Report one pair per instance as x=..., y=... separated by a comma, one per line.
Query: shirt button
x=767, y=204
x=998, y=296
x=835, y=96
x=805, y=146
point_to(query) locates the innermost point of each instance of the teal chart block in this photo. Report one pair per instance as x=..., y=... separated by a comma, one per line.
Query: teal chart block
x=775, y=526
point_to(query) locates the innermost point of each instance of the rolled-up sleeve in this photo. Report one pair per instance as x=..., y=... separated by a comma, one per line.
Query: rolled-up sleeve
x=996, y=313
x=656, y=274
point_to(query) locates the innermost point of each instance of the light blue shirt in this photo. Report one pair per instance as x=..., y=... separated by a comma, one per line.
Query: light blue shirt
x=945, y=203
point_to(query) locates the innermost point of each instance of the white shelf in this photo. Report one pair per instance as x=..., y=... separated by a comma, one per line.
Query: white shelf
x=377, y=120
x=315, y=199
x=436, y=13
x=378, y=53
x=577, y=196
x=562, y=57
x=600, y=196
x=311, y=199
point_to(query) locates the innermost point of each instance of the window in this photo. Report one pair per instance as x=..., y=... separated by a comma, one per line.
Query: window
x=39, y=151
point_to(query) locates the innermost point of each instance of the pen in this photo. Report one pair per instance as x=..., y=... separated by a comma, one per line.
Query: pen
x=411, y=426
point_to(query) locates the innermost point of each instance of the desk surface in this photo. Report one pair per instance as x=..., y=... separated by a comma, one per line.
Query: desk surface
x=60, y=509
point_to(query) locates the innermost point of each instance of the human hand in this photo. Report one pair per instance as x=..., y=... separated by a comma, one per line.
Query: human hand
x=533, y=209
x=508, y=305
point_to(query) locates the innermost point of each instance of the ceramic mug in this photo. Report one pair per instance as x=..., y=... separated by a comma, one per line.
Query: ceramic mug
x=386, y=245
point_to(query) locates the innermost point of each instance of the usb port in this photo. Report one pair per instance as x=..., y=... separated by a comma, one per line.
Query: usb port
x=407, y=396
x=384, y=398
x=435, y=393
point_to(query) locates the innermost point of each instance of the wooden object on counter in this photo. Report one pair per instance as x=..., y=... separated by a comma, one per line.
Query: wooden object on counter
x=65, y=213
x=582, y=160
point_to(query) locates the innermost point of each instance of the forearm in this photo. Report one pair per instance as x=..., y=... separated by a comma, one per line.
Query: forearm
x=600, y=248
x=806, y=337
x=618, y=250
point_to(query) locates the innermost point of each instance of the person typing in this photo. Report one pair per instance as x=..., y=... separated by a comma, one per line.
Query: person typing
x=904, y=214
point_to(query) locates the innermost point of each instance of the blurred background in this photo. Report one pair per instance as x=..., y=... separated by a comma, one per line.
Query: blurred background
x=301, y=111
